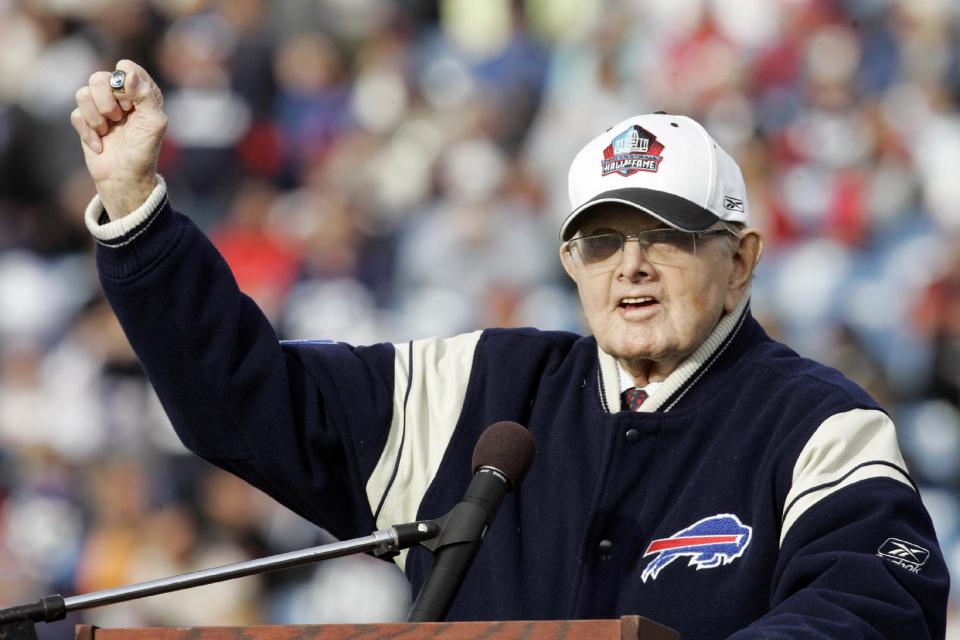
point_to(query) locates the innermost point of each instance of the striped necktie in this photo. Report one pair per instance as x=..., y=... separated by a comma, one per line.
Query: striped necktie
x=633, y=398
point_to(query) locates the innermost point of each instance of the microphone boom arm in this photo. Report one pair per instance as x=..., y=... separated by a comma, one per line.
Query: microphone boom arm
x=16, y=622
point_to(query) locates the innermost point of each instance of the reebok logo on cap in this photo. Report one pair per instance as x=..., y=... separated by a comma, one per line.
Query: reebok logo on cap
x=733, y=204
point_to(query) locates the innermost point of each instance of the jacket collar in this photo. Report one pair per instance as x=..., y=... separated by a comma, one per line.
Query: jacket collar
x=666, y=395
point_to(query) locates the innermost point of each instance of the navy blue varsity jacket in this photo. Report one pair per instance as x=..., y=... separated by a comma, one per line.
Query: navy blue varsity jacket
x=757, y=495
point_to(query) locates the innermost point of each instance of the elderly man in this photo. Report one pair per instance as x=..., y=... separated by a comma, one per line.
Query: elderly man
x=689, y=468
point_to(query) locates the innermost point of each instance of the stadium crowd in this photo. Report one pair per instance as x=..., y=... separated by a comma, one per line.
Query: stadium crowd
x=357, y=161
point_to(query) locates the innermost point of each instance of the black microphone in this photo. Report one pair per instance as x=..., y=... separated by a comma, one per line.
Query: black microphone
x=501, y=459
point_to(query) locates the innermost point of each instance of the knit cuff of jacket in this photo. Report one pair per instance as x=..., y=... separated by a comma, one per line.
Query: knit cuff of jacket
x=130, y=243
x=107, y=232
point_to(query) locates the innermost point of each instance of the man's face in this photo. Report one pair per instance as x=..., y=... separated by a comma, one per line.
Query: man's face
x=641, y=311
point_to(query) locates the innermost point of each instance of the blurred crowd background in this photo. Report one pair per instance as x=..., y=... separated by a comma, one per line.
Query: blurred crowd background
x=378, y=170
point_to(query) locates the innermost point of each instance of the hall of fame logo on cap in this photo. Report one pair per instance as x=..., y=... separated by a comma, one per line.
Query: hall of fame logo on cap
x=636, y=149
x=908, y=555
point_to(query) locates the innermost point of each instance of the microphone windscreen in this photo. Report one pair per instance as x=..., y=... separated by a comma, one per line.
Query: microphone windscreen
x=507, y=447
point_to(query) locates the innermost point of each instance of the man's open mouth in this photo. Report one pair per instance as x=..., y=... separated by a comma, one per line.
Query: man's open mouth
x=637, y=303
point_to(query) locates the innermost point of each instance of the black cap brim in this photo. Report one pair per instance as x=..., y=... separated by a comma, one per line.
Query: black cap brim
x=676, y=211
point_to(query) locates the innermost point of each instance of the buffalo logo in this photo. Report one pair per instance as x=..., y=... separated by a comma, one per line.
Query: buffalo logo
x=905, y=554
x=636, y=149
x=709, y=543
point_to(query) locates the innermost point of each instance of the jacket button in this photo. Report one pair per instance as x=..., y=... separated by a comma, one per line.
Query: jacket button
x=632, y=435
x=606, y=548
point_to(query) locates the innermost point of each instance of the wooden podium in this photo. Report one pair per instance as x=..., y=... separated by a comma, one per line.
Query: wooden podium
x=626, y=628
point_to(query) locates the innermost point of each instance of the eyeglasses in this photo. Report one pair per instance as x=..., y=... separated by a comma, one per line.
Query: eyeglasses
x=660, y=246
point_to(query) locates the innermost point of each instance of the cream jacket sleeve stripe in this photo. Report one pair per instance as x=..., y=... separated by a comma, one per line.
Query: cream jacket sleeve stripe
x=430, y=384
x=846, y=448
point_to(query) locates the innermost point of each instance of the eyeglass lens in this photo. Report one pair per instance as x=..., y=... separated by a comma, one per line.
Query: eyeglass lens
x=661, y=246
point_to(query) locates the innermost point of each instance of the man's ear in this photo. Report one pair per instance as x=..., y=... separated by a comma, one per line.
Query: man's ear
x=567, y=261
x=746, y=255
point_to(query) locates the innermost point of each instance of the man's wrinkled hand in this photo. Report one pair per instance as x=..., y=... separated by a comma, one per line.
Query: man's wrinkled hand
x=121, y=131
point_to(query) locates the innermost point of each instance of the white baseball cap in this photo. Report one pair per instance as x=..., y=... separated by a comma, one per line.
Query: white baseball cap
x=665, y=165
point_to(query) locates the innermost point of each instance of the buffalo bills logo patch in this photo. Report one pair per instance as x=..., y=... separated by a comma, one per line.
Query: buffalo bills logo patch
x=708, y=543
x=636, y=149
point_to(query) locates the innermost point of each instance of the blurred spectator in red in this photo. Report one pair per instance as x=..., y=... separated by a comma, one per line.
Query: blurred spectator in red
x=264, y=261
x=937, y=314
